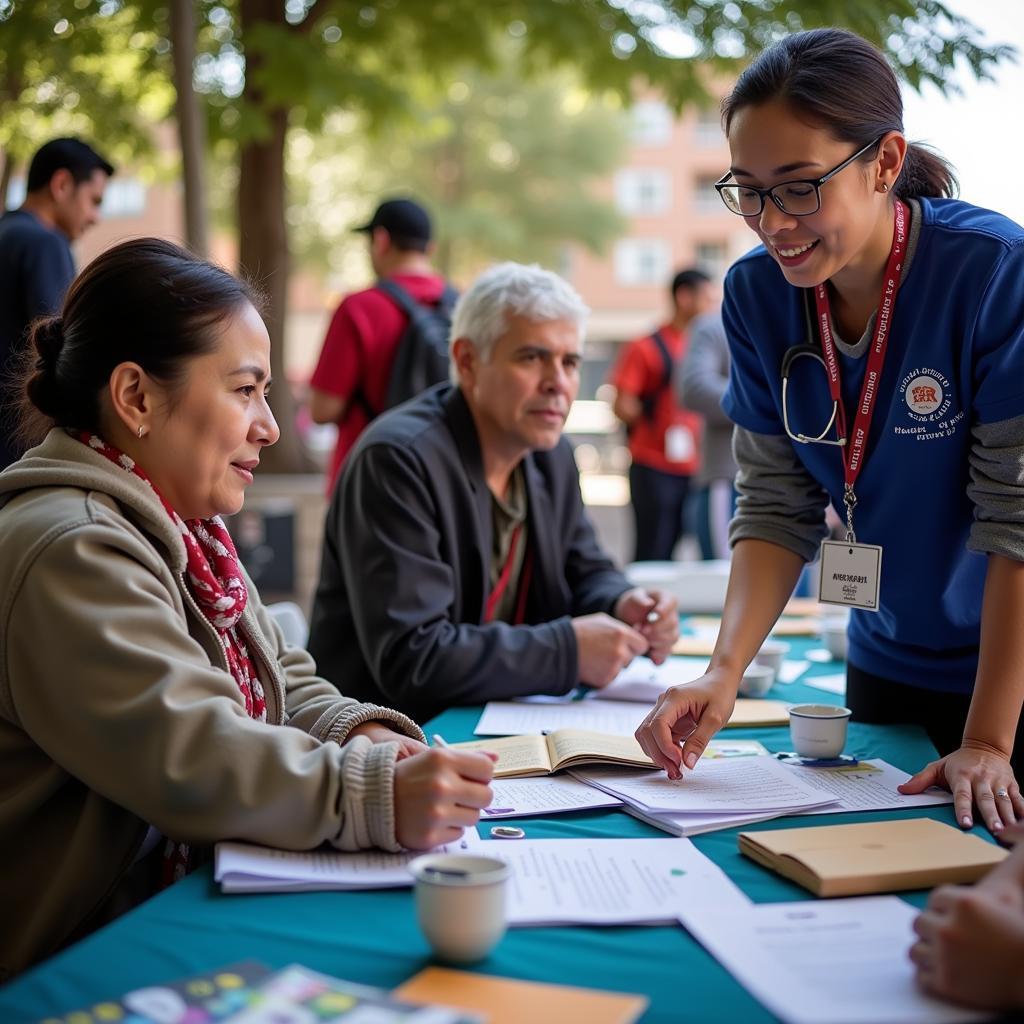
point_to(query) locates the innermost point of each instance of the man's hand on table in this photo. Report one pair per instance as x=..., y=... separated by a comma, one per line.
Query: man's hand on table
x=653, y=615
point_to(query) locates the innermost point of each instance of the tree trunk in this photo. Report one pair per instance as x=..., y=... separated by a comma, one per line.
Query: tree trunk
x=263, y=239
x=191, y=126
x=6, y=172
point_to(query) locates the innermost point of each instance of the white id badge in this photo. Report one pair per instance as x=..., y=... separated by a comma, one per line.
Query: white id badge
x=679, y=445
x=851, y=574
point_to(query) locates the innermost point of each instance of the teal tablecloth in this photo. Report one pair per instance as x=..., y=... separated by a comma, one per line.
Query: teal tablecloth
x=372, y=937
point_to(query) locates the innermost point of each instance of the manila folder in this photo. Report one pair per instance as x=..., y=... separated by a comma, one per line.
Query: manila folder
x=879, y=856
x=505, y=1001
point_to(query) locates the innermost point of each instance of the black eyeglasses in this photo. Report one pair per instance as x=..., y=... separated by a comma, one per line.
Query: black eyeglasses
x=796, y=198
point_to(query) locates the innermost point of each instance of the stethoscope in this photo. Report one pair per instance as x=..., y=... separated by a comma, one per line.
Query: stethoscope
x=789, y=357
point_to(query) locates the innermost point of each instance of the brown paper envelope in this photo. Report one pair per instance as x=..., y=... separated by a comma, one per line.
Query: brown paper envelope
x=694, y=646
x=882, y=856
x=751, y=711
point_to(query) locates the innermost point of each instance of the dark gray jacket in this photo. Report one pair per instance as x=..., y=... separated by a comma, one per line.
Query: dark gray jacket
x=405, y=573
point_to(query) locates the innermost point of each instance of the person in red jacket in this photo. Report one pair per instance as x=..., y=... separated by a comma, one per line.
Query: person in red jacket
x=351, y=379
x=664, y=438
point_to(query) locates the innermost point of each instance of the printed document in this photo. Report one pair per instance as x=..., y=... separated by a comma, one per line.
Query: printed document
x=867, y=786
x=739, y=785
x=644, y=682
x=506, y=718
x=609, y=881
x=242, y=867
x=825, y=961
x=520, y=798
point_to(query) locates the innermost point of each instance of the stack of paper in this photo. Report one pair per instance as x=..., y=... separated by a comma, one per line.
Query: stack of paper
x=717, y=794
x=242, y=867
x=866, y=786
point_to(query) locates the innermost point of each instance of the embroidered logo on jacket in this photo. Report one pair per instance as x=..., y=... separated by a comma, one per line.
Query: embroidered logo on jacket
x=928, y=394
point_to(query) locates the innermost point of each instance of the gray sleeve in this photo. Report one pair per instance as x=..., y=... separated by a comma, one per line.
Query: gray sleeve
x=777, y=499
x=704, y=373
x=997, y=488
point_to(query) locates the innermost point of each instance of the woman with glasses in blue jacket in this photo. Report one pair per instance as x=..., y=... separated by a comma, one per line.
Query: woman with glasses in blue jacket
x=877, y=344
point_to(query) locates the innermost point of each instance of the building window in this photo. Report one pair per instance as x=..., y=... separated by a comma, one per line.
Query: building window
x=642, y=261
x=712, y=258
x=708, y=132
x=643, y=191
x=124, y=197
x=650, y=123
x=705, y=198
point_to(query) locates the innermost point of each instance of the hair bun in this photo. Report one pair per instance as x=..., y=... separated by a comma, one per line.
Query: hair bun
x=42, y=386
x=48, y=339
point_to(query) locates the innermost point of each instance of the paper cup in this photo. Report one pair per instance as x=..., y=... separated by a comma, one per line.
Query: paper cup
x=460, y=904
x=818, y=730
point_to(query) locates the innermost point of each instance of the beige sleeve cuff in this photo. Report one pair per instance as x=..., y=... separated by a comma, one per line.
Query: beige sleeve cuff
x=356, y=714
x=368, y=797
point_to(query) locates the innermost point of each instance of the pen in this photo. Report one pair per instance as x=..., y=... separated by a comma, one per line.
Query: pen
x=439, y=740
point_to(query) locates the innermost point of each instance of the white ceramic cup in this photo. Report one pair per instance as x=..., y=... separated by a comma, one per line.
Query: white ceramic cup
x=757, y=680
x=772, y=654
x=833, y=635
x=460, y=903
x=818, y=730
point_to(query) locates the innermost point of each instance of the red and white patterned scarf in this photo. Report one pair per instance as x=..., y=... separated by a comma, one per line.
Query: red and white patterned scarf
x=214, y=579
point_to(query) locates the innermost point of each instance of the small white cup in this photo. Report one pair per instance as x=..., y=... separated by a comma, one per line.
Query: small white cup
x=757, y=680
x=772, y=654
x=833, y=635
x=818, y=730
x=460, y=903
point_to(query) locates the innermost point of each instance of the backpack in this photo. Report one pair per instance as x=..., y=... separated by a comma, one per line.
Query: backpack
x=421, y=359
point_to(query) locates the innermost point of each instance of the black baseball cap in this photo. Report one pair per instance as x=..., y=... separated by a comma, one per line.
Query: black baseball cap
x=401, y=218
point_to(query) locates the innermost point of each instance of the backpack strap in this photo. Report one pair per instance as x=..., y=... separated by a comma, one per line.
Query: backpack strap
x=666, y=357
x=399, y=296
x=649, y=401
x=416, y=311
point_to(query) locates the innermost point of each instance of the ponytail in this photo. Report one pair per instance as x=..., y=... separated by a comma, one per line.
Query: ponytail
x=925, y=175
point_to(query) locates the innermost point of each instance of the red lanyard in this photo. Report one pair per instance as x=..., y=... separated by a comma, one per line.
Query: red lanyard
x=495, y=596
x=856, y=453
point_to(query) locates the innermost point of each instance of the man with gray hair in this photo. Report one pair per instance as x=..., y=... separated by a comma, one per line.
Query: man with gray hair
x=459, y=565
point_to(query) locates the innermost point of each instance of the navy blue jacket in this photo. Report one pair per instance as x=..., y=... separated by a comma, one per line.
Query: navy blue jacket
x=36, y=268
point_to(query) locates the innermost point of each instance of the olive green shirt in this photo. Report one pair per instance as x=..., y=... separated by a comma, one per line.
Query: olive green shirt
x=506, y=515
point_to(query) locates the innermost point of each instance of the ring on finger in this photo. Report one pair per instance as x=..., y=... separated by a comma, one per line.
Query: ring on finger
x=1002, y=794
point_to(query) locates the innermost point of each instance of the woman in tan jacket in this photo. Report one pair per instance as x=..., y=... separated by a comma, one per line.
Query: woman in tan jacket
x=148, y=705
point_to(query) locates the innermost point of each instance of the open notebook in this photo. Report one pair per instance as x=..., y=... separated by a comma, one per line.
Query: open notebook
x=523, y=756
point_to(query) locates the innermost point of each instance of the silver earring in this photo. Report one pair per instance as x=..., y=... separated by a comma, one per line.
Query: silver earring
x=142, y=430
